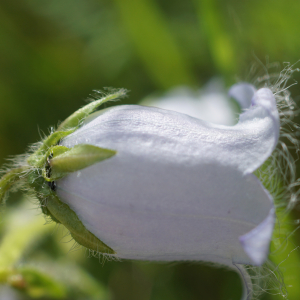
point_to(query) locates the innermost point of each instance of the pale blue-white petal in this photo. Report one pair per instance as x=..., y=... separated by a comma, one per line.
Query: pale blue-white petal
x=155, y=211
x=242, y=92
x=256, y=242
x=173, y=136
x=208, y=104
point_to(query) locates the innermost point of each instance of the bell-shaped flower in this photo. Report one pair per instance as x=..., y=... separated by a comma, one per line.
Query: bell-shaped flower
x=178, y=188
x=145, y=183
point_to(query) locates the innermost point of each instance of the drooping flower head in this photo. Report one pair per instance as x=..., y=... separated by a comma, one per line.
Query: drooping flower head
x=145, y=183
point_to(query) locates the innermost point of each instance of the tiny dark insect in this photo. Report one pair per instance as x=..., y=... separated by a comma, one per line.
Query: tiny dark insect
x=52, y=185
x=48, y=168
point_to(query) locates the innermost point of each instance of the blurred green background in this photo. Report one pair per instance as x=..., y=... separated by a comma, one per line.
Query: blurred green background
x=53, y=54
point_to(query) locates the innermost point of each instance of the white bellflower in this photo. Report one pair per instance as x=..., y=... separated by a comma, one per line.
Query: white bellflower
x=145, y=183
x=179, y=188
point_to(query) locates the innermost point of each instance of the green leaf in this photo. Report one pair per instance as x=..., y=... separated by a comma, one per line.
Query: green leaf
x=66, y=160
x=78, y=116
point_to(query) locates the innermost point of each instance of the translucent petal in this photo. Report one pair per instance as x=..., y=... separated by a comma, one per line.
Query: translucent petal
x=256, y=242
x=209, y=104
x=242, y=93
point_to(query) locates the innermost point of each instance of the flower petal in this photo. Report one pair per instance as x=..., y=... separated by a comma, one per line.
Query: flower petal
x=256, y=242
x=208, y=104
x=242, y=93
x=153, y=133
x=145, y=210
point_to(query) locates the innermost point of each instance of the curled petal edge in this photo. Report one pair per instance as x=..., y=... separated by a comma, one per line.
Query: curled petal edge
x=246, y=281
x=256, y=242
x=263, y=120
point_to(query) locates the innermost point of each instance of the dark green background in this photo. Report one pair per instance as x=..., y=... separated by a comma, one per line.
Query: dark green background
x=54, y=53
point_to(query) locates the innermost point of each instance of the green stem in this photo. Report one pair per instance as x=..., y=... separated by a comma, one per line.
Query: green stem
x=78, y=116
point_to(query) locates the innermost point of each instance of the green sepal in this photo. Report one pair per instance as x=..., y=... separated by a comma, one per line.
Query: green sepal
x=38, y=186
x=78, y=116
x=7, y=180
x=63, y=160
x=61, y=213
x=66, y=216
x=37, y=159
x=53, y=151
x=56, y=151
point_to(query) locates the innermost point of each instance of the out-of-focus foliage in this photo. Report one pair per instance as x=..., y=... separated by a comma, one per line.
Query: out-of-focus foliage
x=54, y=53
